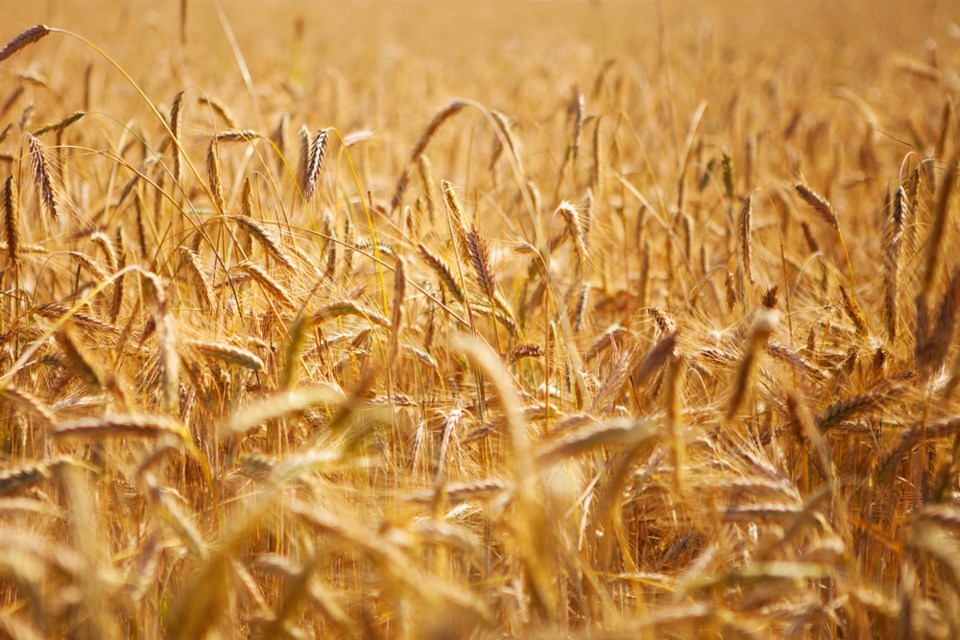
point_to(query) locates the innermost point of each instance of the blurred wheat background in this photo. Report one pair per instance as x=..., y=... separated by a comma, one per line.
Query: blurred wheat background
x=479, y=319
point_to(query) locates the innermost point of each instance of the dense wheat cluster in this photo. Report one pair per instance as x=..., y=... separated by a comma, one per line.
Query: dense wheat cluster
x=481, y=320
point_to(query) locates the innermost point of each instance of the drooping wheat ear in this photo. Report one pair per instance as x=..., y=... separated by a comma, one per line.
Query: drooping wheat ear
x=25, y=39
x=121, y=425
x=314, y=164
x=443, y=271
x=439, y=118
x=845, y=409
x=595, y=166
x=29, y=402
x=52, y=310
x=220, y=109
x=214, y=176
x=90, y=265
x=572, y=219
x=525, y=350
x=726, y=164
x=577, y=109
x=273, y=289
x=894, y=242
x=480, y=259
x=617, y=432
x=141, y=228
x=44, y=179
x=819, y=204
x=644, y=285
x=746, y=228
x=116, y=304
x=808, y=236
x=794, y=359
x=581, y=312
x=341, y=308
x=246, y=198
x=266, y=240
x=367, y=245
x=943, y=515
x=941, y=337
x=227, y=353
x=396, y=316
x=78, y=360
x=429, y=190
x=169, y=358
x=60, y=125
x=937, y=230
x=457, y=217
x=203, y=288
x=19, y=478
x=948, y=427
x=100, y=239
x=304, y=258
x=176, y=125
x=638, y=366
x=606, y=339
x=852, y=309
x=760, y=332
x=330, y=271
x=665, y=323
x=771, y=297
x=296, y=339
x=504, y=317
x=279, y=136
x=304, y=137
x=450, y=424
x=674, y=389
x=503, y=122
x=586, y=217
x=11, y=221
x=463, y=491
x=237, y=135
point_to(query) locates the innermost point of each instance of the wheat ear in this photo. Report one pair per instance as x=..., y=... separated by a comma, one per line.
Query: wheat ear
x=25, y=39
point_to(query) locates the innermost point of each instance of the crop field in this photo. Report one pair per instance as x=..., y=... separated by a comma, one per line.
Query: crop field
x=421, y=319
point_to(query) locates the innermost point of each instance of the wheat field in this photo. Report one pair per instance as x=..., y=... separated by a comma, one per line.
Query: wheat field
x=422, y=319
